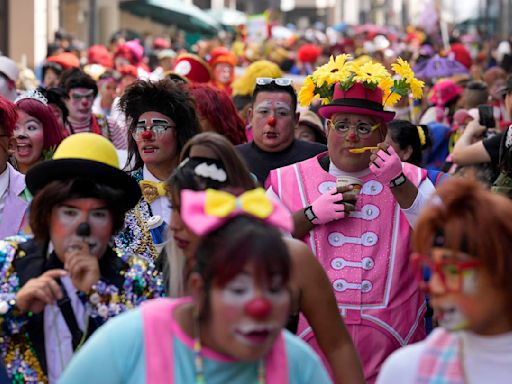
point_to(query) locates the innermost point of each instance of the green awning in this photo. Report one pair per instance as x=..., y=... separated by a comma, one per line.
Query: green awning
x=173, y=12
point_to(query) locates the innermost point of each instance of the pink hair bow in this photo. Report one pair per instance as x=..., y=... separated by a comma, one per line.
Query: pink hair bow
x=206, y=211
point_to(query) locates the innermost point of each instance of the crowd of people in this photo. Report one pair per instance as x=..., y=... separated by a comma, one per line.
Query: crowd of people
x=245, y=224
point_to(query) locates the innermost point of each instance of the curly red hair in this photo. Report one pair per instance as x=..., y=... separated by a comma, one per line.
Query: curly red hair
x=8, y=115
x=218, y=108
x=52, y=130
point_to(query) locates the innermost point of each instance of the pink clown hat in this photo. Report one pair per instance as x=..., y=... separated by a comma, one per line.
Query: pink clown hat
x=358, y=99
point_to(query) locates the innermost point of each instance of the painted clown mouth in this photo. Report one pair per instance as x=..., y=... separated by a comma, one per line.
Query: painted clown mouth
x=450, y=317
x=254, y=334
x=150, y=149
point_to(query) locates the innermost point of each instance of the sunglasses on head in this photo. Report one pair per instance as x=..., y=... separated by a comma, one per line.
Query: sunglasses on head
x=282, y=81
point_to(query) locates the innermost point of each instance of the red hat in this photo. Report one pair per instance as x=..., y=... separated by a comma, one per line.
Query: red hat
x=128, y=70
x=193, y=68
x=461, y=54
x=358, y=99
x=161, y=43
x=222, y=55
x=65, y=60
x=308, y=53
x=444, y=91
x=98, y=54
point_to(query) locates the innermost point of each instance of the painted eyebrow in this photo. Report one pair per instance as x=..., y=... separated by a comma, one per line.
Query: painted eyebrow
x=157, y=120
x=89, y=92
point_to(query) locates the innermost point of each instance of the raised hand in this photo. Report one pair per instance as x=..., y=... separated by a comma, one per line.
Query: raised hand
x=38, y=292
x=385, y=164
x=83, y=267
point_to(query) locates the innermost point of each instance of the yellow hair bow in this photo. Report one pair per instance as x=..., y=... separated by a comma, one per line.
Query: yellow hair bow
x=222, y=204
x=204, y=211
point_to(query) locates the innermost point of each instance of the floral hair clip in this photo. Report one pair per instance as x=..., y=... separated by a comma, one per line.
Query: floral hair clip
x=211, y=171
x=206, y=168
x=345, y=72
x=32, y=94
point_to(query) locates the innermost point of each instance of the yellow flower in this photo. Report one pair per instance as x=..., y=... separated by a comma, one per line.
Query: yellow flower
x=370, y=72
x=416, y=87
x=307, y=92
x=402, y=68
x=390, y=98
x=331, y=72
x=385, y=85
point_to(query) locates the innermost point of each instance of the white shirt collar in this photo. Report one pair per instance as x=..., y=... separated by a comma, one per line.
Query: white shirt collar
x=335, y=171
x=147, y=175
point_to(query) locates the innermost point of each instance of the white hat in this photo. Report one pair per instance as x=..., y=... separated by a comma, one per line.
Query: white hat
x=9, y=68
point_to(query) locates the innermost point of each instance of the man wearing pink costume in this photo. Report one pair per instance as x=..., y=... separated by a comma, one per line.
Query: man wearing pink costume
x=363, y=241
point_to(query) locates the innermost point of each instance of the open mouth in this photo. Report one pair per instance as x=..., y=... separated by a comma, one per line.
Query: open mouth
x=271, y=135
x=450, y=317
x=23, y=149
x=149, y=149
x=254, y=334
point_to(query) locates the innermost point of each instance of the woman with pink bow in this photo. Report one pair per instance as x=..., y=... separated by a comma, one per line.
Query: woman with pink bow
x=231, y=327
x=209, y=161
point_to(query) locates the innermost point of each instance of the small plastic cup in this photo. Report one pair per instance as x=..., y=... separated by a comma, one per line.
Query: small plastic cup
x=357, y=185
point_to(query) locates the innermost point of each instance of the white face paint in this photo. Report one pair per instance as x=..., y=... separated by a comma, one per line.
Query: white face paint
x=450, y=316
x=280, y=109
x=246, y=315
x=273, y=121
x=66, y=218
x=242, y=289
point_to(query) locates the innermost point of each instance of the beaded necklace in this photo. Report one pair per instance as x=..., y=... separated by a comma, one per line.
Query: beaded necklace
x=199, y=362
x=462, y=363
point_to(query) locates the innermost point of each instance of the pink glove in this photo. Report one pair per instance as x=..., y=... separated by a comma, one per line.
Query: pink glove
x=386, y=166
x=325, y=208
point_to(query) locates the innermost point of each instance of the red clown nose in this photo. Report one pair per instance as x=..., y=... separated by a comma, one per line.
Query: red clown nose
x=146, y=135
x=272, y=121
x=258, y=308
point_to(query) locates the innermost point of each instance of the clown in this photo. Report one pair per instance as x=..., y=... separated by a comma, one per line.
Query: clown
x=230, y=329
x=60, y=286
x=37, y=132
x=222, y=62
x=468, y=278
x=360, y=236
x=163, y=119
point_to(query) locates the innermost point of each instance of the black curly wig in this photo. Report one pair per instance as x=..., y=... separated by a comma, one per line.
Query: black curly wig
x=166, y=97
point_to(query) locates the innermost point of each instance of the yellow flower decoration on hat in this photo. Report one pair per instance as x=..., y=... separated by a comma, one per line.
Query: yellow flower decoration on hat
x=346, y=72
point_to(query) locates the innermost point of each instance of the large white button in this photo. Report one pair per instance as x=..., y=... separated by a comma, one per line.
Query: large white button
x=326, y=186
x=372, y=188
x=367, y=263
x=366, y=286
